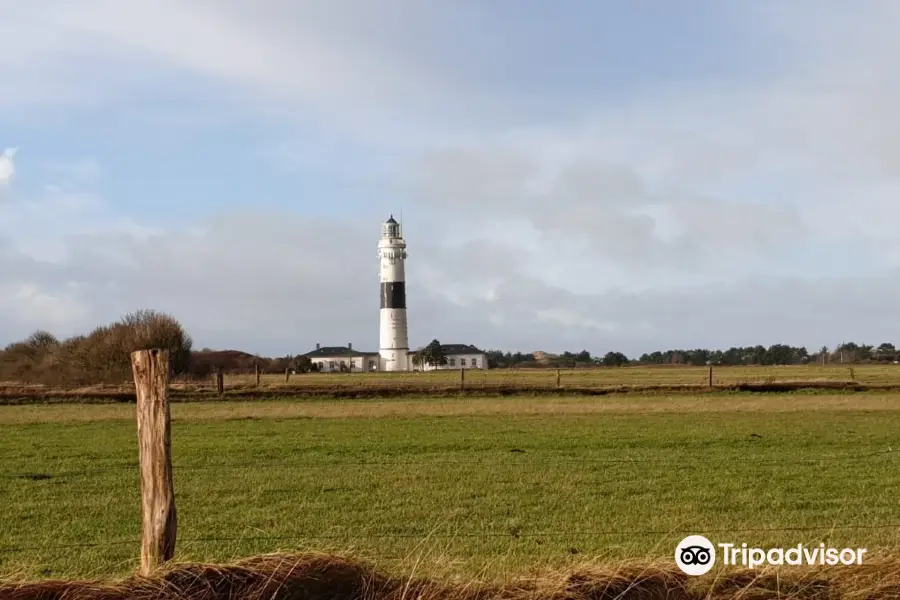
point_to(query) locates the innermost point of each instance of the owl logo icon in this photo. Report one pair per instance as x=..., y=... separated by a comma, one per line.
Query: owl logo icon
x=695, y=555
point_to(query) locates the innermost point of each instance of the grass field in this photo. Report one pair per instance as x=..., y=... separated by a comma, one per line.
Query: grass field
x=467, y=486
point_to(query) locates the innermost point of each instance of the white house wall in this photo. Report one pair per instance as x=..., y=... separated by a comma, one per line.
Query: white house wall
x=455, y=361
x=358, y=364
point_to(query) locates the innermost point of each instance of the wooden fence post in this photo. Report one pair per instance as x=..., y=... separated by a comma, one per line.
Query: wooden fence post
x=158, y=520
x=710, y=376
x=852, y=374
x=256, y=368
x=287, y=374
x=462, y=379
x=557, y=378
x=220, y=382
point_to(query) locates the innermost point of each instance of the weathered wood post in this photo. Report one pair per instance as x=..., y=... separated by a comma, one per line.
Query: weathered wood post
x=710, y=376
x=557, y=378
x=256, y=368
x=158, y=521
x=287, y=374
x=220, y=382
x=462, y=379
x=852, y=374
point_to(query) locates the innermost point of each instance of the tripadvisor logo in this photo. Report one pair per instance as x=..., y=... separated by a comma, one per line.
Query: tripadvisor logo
x=696, y=555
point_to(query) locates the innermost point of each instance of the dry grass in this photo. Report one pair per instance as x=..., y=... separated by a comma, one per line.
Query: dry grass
x=640, y=376
x=633, y=404
x=323, y=577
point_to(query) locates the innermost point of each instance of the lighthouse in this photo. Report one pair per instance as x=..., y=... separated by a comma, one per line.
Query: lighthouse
x=394, y=341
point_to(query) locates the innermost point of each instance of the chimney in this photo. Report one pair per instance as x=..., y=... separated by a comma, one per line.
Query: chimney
x=350, y=345
x=317, y=345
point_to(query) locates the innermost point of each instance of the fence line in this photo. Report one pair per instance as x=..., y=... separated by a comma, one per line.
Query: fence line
x=464, y=535
x=219, y=382
x=553, y=377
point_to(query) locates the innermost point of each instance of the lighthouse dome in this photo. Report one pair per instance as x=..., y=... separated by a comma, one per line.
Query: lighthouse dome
x=390, y=228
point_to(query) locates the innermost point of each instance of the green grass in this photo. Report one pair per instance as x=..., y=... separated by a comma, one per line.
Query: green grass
x=463, y=486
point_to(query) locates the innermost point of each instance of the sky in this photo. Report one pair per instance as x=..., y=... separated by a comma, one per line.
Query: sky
x=589, y=174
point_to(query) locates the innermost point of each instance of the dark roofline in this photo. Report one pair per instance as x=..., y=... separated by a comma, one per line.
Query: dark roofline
x=457, y=349
x=336, y=352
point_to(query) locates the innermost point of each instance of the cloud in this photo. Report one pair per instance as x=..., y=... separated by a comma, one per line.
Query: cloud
x=711, y=204
x=7, y=166
x=611, y=209
x=248, y=280
x=75, y=174
x=40, y=223
x=305, y=63
x=29, y=306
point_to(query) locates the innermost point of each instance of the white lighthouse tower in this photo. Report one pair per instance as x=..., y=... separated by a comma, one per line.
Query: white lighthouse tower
x=394, y=340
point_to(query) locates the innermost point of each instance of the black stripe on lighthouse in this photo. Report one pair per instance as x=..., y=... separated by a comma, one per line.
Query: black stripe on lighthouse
x=393, y=294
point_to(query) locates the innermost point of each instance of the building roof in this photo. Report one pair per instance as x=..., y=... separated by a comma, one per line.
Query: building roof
x=456, y=349
x=451, y=349
x=336, y=351
x=391, y=220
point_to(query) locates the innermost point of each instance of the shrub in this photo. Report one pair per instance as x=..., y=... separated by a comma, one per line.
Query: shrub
x=102, y=356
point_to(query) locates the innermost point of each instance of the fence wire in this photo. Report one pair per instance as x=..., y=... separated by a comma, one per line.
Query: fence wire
x=463, y=535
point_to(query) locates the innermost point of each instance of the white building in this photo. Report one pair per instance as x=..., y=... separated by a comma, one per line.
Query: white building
x=459, y=356
x=341, y=358
x=393, y=353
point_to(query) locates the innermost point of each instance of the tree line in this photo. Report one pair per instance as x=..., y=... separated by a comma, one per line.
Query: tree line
x=776, y=354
